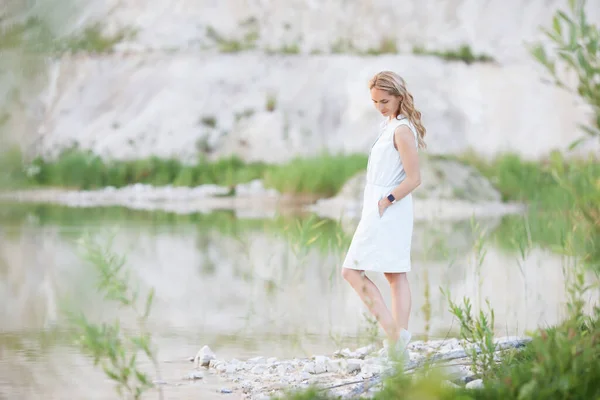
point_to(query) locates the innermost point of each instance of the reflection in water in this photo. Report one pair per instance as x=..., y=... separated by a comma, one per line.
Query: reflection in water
x=245, y=287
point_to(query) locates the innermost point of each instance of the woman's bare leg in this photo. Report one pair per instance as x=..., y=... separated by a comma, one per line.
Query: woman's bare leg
x=401, y=298
x=371, y=296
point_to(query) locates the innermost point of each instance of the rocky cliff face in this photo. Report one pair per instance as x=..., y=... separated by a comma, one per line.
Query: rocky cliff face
x=271, y=82
x=498, y=28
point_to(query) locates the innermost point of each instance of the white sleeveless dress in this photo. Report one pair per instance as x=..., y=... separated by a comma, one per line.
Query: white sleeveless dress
x=383, y=244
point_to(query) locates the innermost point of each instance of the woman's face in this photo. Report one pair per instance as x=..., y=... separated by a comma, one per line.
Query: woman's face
x=385, y=103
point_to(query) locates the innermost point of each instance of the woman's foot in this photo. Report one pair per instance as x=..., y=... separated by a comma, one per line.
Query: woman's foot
x=399, y=350
x=401, y=346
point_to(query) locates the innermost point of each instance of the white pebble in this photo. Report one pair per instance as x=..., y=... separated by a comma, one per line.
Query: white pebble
x=309, y=367
x=334, y=365
x=259, y=369
x=353, y=365
x=257, y=360
x=230, y=369
x=320, y=368
x=449, y=384
x=320, y=359
x=195, y=375
x=204, y=356
x=476, y=384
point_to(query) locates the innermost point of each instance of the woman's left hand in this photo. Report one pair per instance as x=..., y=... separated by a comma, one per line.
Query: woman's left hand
x=382, y=205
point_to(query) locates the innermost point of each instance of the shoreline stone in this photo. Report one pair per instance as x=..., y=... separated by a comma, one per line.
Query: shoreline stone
x=344, y=373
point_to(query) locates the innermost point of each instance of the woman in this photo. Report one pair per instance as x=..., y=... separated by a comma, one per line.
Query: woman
x=383, y=237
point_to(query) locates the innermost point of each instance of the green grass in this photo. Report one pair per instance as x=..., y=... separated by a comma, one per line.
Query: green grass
x=323, y=174
x=386, y=46
x=228, y=45
x=12, y=169
x=463, y=53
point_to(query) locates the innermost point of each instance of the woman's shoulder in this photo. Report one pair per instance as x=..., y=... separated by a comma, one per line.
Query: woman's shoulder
x=401, y=120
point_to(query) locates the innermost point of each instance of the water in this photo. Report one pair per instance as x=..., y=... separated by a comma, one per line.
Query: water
x=246, y=287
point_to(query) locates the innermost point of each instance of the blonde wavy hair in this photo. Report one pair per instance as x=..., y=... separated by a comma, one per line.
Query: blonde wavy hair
x=394, y=85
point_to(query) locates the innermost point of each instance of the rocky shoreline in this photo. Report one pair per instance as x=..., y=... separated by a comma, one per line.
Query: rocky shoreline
x=346, y=374
x=251, y=196
x=250, y=199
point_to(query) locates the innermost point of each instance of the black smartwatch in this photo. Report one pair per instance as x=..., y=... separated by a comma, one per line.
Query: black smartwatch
x=391, y=198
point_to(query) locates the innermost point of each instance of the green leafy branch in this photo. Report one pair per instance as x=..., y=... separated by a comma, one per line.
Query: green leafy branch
x=110, y=347
x=577, y=48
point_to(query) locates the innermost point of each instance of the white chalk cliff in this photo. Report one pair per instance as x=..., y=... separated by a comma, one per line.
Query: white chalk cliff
x=173, y=90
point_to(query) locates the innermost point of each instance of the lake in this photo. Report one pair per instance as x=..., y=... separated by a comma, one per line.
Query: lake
x=246, y=286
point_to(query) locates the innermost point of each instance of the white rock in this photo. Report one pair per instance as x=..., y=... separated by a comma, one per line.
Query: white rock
x=335, y=365
x=204, y=356
x=257, y=360
x=283, y=369
x=296, y=363
x=272, y=360
x=320, y=368
x=364, y=351
x=221, y=367
x=346, y=353
x=231, y=368
x=373, y=369
x=449, y=345
x=309, y=367
x=455, y=371
x=353, y=365
x=259, y=369
x=511, y=342
x=253, y=188
x=415, y=357
x=449, y=384
x=320, y=359
x=476, y=384
x=195, y=375
x=305, y=375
